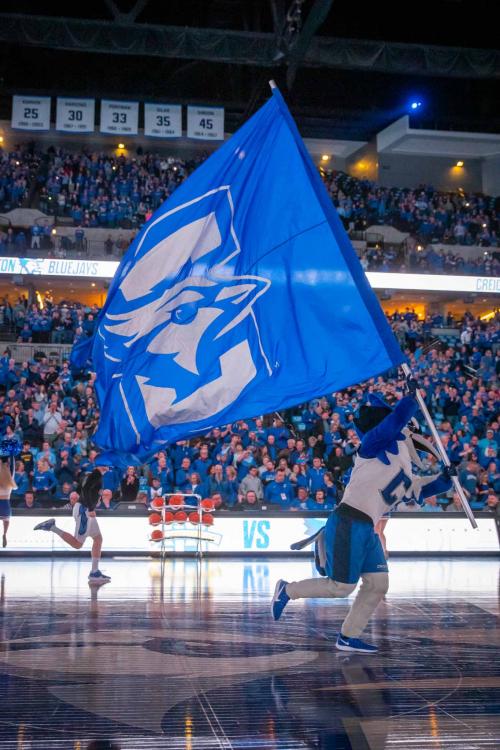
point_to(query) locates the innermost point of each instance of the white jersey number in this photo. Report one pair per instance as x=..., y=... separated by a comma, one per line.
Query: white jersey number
x=389, y=492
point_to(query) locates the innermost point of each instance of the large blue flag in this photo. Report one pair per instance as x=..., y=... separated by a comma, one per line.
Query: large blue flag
x=241, y=295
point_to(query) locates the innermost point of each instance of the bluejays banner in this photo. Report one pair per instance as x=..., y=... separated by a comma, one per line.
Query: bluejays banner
x=241, y=295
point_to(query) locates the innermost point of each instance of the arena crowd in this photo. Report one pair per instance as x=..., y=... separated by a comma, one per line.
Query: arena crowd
x=108, y=191
x=299, y=460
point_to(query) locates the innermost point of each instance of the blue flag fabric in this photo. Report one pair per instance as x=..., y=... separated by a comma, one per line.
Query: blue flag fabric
x=241, y=295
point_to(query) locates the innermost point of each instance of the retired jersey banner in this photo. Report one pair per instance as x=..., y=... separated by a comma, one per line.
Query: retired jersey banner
x=75, y=115
x=240, y=296
x=206, y=123
x=31, y=112
x=163, y=120
x=120, y=118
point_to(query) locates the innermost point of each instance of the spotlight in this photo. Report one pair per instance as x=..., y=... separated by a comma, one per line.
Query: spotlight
x=459, y=164
x=414, y=105
x=121, y=145
x=325, y=157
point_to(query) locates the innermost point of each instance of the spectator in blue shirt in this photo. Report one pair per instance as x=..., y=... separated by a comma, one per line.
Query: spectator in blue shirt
x=46, y=453
x=319, y=502
x=202, y=463
x=182, y=475
x=280, y=492
x=63, y=493
x=299, y=476
x=65, y=468
x=215, y=480
x=179, y=451
x=26, y=334
x=315, y=476
x=230, y=487
x=21, y=478
x=44, y=484
x=106, y=501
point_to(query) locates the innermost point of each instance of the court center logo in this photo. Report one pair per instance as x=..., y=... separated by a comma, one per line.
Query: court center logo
x=181, y=300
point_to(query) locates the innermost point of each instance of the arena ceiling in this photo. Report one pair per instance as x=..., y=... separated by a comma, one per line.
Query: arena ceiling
x=347, y=71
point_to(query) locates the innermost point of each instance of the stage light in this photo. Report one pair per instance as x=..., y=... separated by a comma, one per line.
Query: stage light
x=1, y=138
x=415, y=104
x=121, y=145
x=459, y=164
x=325, y=157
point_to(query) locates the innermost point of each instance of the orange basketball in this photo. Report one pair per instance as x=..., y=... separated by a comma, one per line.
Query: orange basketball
x=156, y=535
x=208, y=519
x=154, y=519
x=207, y=504
x=169, y=517
x=157, y=502
x=194, y=517
x=176, y=501
x=180, y=516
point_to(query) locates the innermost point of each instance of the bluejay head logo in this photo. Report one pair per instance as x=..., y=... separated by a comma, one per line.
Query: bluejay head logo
x=31, y=266
x=181, y=326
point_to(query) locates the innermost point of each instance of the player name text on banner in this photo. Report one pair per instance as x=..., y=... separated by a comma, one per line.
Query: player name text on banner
x=31, y=112
x=121, y=118
x=163, y=120
x=206, y=123
x=75, y=115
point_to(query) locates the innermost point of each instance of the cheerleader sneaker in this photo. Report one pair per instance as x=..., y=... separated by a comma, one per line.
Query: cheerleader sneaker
x=45, y=525
x=98, y=578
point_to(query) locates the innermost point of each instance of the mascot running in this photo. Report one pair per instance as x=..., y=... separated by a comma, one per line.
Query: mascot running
x=347, y=548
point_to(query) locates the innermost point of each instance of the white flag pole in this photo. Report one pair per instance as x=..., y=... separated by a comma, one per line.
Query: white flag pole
x=444, y=456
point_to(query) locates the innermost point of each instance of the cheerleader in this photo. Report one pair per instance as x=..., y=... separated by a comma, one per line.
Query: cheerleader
x=8, y=448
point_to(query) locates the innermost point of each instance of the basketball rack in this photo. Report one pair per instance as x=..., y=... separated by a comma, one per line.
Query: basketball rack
x=172, y=508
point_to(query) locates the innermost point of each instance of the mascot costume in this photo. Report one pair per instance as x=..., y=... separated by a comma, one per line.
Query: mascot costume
x=347, y=547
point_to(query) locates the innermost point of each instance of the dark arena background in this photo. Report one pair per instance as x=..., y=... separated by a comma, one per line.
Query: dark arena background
x=106, y=109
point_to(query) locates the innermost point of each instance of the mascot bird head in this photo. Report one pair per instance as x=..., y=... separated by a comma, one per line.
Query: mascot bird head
x=375, y=410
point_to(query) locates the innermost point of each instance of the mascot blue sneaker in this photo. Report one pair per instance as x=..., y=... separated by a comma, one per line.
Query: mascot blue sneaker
x=354, y=644
x=280, y=599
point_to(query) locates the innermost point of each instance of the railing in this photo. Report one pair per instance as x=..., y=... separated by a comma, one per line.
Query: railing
x=25, y=352
x=371, y=238
x=68, y=248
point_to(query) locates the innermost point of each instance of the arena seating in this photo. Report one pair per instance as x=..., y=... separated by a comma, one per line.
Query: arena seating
x=54, y=411
x=94, y=190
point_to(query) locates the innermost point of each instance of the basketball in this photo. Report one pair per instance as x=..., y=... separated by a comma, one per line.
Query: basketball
x=169, y=516
x=155, y=519
x=194, y=517
x=180, y=516
x=157, y=502
x=156, y=535
x=176, y=501
x=207, y=504
x=208, y=519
